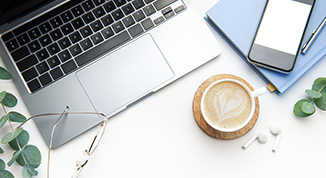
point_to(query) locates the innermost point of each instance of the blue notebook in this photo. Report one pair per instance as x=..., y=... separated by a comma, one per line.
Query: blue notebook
x=238, y=20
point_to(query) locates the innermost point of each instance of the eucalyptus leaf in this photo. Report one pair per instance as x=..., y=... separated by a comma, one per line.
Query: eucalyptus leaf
x=32, y=155
x=1, y=150
x=2, y=165
x=4, y=74
x=6, y=174
x=10, y=136
x=10, y=100
x=16, y=117
x=2, y=96
x=28, y=171
x=297, y=110
x=319, y=85
x=22, y=139
x=308, y=108
x=313, y=93
x=3, y=120
x=321, y=102
x=15, y=156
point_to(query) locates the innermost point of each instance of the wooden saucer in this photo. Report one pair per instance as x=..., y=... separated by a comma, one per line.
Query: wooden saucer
x=207, y=128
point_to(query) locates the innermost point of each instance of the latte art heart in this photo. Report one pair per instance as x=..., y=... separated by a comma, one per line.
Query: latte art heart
x=227, y=105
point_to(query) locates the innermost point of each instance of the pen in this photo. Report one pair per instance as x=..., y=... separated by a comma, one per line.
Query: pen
x=313, y=36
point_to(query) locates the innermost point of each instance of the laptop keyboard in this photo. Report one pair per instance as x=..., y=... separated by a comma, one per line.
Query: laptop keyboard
x=74, y=34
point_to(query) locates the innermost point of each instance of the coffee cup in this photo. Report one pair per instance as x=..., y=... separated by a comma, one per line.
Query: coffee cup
x=228, y=105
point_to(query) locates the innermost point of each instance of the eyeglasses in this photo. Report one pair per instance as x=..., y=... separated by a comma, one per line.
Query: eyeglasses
x=88, y=152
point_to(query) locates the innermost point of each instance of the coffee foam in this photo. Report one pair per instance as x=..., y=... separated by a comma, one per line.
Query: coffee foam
x=227, y=105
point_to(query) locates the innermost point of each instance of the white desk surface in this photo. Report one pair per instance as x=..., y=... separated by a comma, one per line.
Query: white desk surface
x=159, y=137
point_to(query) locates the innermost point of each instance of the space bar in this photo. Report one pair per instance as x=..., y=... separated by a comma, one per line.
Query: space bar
x=102, y=48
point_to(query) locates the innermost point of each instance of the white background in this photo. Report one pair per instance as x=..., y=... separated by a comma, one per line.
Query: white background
x=159, y=137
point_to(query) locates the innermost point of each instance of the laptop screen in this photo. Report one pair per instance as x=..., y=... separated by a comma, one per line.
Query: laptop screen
x=12, y=9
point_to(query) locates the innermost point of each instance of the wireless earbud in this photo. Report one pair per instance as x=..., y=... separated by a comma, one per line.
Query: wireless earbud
x=276, y=130
x=261, y=137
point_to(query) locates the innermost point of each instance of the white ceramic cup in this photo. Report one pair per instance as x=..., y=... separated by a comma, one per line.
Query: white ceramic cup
x=252, y=95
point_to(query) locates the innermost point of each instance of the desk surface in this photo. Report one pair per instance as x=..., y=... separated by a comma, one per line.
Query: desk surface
x=159, y=137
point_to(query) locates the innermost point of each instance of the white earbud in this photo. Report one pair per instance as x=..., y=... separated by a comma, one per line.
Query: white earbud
x=276, y=130
x=261, y=137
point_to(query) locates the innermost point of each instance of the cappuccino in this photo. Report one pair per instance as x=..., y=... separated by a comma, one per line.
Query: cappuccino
x=227, y=105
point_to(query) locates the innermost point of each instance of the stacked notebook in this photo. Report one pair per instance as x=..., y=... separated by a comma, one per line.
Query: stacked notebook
x=238, y=21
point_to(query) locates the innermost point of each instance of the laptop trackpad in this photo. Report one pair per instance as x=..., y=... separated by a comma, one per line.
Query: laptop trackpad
x=125, y=75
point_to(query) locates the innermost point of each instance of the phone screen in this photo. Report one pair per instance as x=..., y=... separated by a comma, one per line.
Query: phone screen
x=283, y=24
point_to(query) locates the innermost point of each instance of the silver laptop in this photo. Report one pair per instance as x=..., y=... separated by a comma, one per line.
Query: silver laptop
x=98, y=55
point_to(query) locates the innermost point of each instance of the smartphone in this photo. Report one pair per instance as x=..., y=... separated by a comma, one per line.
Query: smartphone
x=280, y=33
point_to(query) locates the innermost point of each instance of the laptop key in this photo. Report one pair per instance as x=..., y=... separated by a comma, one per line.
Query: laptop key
x=118, y=27
x=107, y=20
x=42, y=55
x=107, y=33
x=27, y=63
x=75, y=50
x=86, y=31
x=75, y=37
x=78, y=23
x=56, y=22
x=77, y=11
x=6, y=37
x=148, y=1
x=34, y=33
x=147, y=24
x=127, y=9
x=89, y=17
x=53, y=61
x=135, y=30
x=45, y=79
x=159, y=20
x=160, y=4
x=67, y=16
x=64, y=56
x=56, y=34
x=68, y=66
x=67, y=29
x=29, y=74
x=179, y=9
x=53, y=48
x=56, y=73
x=138, y=3
x=45, y=40
x=128, y=21
x=20, y=53
x=88, y=5
x=139, y=15
x=45, y=28
x=12, y=45
x=99, y=12
x=97, y=38
x=64, y=43
x=120, y=2
x=117, y=14
x=96, y=26
x=109, y=6
x=98, y=2
x=23, y=39
x=42, y=67
x=149, y=10
x=34, y=46
x=34, y=85
x=86, y=44
x=100, y=49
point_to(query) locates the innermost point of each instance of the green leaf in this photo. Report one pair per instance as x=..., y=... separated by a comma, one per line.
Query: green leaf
x=28, y=171
x=313, y=93
x=2, y=96
x=3, y=120
x=32, y=155
x=6, y=174
x=1, y=150
x=2, y=165
x=319, y=85
x=10, y=100
x=22, y=138
x=15, y=156
x=4, y=74
x=297, y=110
x=321, y=102
x=308, y=108
x=16, y=117
x=10, y=136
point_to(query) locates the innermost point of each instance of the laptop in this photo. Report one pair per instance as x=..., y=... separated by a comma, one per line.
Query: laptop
x=98, y=55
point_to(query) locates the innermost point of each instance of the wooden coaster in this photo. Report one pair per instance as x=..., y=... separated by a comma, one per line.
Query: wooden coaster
x=207, y=128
